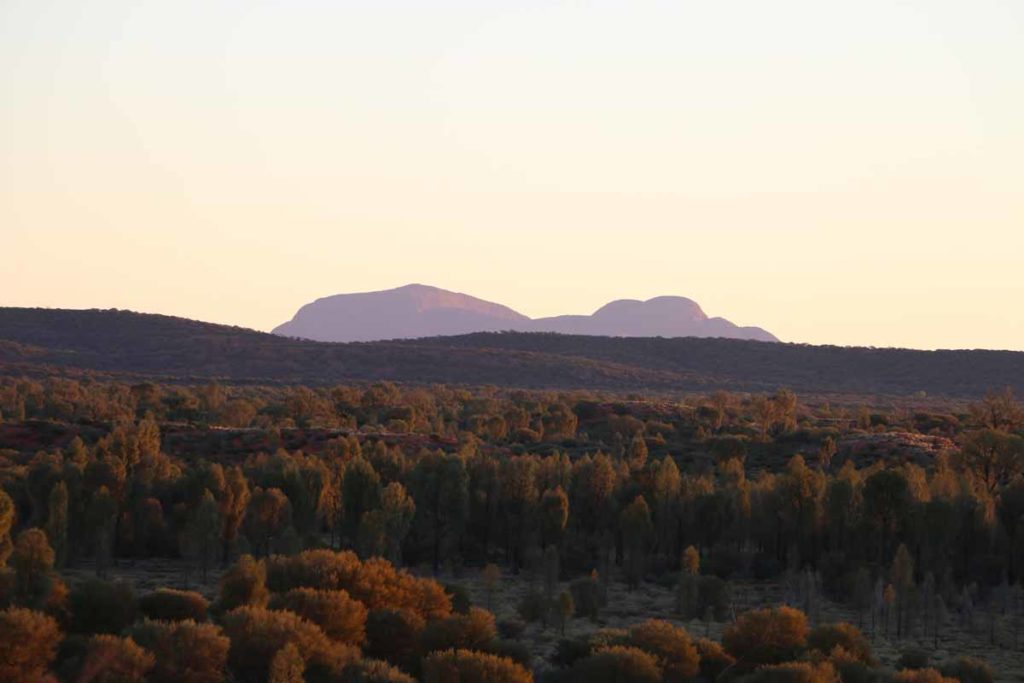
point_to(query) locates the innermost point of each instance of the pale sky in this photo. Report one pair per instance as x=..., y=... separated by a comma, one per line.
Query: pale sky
x=833, y=171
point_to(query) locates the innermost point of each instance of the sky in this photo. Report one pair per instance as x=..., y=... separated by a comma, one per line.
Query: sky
x=836, y=172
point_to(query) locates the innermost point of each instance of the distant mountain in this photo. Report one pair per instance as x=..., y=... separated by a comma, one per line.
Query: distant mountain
x=418, y=311
x=40, y=343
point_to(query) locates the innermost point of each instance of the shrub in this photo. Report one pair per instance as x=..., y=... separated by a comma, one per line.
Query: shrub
x=375, y=583
x=167, y=604
x=511, y=629
x=617, y=664
x=459, y=596
x=102, y=606
x=713, y=596
x=184, y=651
x=766, y=636
x=471, y=631
x=671, y=646
x=827, y=637
x=713, y=659
x=922, y=676
x=393, y=635
x=374, y=671
x=256, y=634
x=794, y=672
x=341, y=618
x=287, y=666
x=913, y=658
x=28, y=644
x=245, y=583
x=533, y=607
x=512, y=649
x=968, y=670
x=465, y=666
x=112, y=659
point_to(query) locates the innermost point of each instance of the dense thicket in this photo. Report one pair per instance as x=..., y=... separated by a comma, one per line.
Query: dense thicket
x=314, y=496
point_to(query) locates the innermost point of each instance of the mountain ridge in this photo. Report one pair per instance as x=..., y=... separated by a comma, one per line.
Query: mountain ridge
x=417, y=311
x=43, y=343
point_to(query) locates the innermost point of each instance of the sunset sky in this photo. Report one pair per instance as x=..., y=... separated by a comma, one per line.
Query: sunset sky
x=835, y=172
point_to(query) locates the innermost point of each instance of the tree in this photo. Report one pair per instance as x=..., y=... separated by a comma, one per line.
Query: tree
x=112, y=659
x=617, y=664
x=7, y=511
x=245, y=583
x=766, y=636
x=637, y=455
x=554, y=515
x=233, y=504
x=886, y=500
x=268, y=515
x=185, y=652
x=204, y=533
x=566, y=607
x=101, y=517
x=33, y=561
x=994, y=456
x=287, y=666
x=902, y=577
x=382, y=530
x=439, y=484
x=360, y=493
x=28, y=644
x=688, y=593
x=637, y=529
x=57, y=523
x=467, y=666
x=670, y=645
x=341, y=618
x=492, y=577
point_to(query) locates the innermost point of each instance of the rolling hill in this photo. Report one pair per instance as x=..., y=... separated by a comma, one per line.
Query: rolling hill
x=40, y=341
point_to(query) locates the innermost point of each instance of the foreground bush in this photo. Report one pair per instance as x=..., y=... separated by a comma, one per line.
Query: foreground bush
x=245, y=583
x=794, y=672
x=341, y=618
x=713, y=659
x=968, y=670
x=186, y=652
x=466, y=666
x=766, y=636
x=472, y=631
x=671, y=647
x=827, y=637
x=617, y=664
x=375, y=583
x=112, y=659
x=101, y=607
x=393, y=635
x=256, y=635
x=167, y=604
x=28, y=644
x=374, y=671
x=922, y=676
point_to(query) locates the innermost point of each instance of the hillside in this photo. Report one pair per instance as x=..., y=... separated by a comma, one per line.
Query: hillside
x=420, y=311
x=120, y=342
